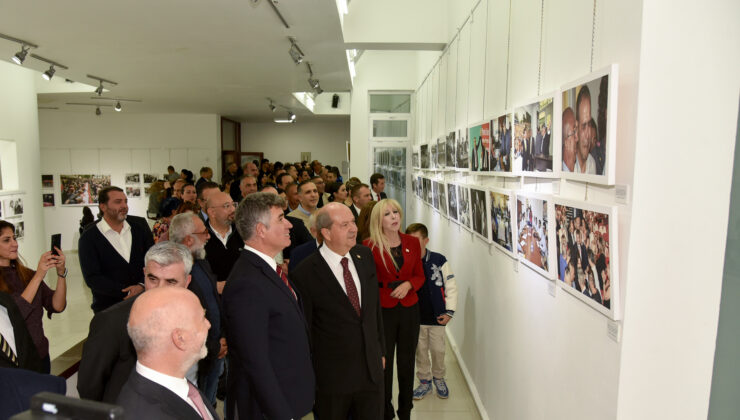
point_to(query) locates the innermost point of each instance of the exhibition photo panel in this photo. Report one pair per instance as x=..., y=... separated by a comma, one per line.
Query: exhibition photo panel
x=441, y=152
x=463, y=206
x=533, y=235
x=534, y=130
x=480, y=147
x=452, y=191
x=462, y=160
x=501, y=135
x=450, y=161
x=502, y=224
x=82, y=189
x=588, y=127
x=586, y=242
x=424, y=153
x=479, y=213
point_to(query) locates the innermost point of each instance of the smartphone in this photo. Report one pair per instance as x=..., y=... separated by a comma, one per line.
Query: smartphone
x=56, y=242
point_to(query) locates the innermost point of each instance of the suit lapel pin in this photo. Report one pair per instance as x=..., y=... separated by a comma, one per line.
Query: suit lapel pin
x=358, y=256
x=407, y=250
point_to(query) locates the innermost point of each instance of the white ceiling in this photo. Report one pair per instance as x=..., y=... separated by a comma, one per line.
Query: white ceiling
x=182, y=56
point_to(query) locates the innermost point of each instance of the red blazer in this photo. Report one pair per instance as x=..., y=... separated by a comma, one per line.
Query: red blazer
x=412, y=270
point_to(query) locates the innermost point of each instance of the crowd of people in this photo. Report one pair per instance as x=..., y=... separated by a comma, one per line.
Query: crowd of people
x=281, y=290
x=583, y=252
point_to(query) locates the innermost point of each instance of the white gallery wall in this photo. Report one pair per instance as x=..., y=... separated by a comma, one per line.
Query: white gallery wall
x=19, y=124
x=531, y=350
x=324, y=137
x=116, y=144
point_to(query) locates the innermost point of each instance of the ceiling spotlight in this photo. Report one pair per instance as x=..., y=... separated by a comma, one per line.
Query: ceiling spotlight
x=295, y=51
x=118, y=106
x=292, y=116
x=98, y=111
x=99, y=89
x=20, y=56
x=48, y=74
x=289, y=120
x=314, y=83
x=272, y=105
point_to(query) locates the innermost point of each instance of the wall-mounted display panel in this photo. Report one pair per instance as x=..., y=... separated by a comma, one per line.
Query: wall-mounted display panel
x=462, y=160
x=501, y=136
x=533, y=232
x=450, y=150
x=452, y=191
x=534, y=131
x=480, y=147
x=479, y=212
x=587, y=254
x=82, y=189
x=501, y=209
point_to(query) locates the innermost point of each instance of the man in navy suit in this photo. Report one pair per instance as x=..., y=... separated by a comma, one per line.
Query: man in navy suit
x=112, y=252
x=168, y=328
x=270, y=370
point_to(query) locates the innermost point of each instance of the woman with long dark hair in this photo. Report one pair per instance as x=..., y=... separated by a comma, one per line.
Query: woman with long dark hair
x=400, y=275
x=28, y=289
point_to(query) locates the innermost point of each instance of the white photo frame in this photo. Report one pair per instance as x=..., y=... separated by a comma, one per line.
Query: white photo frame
x=605, y=234
x=502, y=225
x=463, y=206
x=603, y=124
x=479, y=213
x=535, y=114
x=533, y=221
x=462, y=158
x=452, y=204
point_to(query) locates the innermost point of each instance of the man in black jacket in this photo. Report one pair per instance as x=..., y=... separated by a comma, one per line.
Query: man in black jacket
x=112, y=252
x=108, y=356
x=222, y=250
x=23, y=353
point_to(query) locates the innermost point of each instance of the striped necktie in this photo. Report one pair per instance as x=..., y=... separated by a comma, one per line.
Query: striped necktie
x=7, y=351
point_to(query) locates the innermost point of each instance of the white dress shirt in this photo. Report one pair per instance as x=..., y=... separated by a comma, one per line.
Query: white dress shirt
x=6, y=328
x=179, y=386
x=334, y=261
x=120, y=241
x=224, y=238
x=268, y=259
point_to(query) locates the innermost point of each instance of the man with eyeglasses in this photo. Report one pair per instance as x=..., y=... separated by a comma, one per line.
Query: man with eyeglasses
x=222, y=250
x=189, y=230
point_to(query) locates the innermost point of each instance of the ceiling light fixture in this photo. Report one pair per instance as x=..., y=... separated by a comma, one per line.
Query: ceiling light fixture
x=20, y=56
x=48, y=74
x=118, y=106
x=289, y=120
x=314, y=83
x=295, y=51
x=100, y=89
x=272, y=105
x=98, y=111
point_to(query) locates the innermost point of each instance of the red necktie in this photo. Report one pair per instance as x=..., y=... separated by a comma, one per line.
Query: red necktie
x=285, y=280
x=354, y=298
x=194, y=395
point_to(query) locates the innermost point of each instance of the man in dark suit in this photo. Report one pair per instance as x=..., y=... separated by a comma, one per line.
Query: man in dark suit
x=377, y=184
x=187, y=229
x=108, y=356
x=17, y=386
x=360, y=196
x=14, y=336
x=339, y=289
x=225, y=244
x=299, y=233
x=270, y=372
x=168, y=328
x=112, y=253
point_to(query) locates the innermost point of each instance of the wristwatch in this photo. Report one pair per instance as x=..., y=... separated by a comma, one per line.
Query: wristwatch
x=64, y=276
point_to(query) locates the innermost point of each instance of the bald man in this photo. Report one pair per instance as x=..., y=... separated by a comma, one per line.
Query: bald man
x=108, y=356
x=222, y=250
x=168, y=328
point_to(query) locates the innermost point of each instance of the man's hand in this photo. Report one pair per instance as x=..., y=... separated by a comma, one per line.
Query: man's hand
x=224, y=348
x=443, y=319
x=132, y=291
x=220, y=286
x=402, y=290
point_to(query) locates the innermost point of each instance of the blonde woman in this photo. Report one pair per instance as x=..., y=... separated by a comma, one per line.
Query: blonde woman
x=400, y=274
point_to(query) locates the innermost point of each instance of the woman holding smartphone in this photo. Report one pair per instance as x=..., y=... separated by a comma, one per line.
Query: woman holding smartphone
x=400, y=274
x=28, y=289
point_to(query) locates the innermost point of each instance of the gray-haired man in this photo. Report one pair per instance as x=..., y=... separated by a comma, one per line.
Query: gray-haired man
x=108, y=356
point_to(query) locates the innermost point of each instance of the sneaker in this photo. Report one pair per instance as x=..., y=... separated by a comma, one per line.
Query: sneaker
x=423, y=389
x=442, y=391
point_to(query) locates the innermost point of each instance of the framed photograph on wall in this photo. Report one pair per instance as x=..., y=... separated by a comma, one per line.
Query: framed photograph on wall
x=133, y=179
x=150, y=178
x=14, y=207
x=462, y=160
x=47, y=199
x=441, y=152
x=133, y=192
x=587, y=254
x=415, y=159
x=82, y=189
x=47, y=181
x=463, y=206
x=442, y=194
x=501, y=205
x=452, y=202
x=433, y=155
x=427, y=188
x=450, y=150
x=479, y=212
x=501, y=149
x=534, y=133
x=479, y=136
x=589, y=129
x=533, y=243
x=435, y=194
x=424, y=155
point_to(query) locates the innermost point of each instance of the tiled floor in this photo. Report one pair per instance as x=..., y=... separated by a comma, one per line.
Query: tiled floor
x=68, y=329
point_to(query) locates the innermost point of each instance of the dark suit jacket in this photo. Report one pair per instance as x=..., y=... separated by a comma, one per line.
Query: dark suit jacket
x=346, y=348
x=270, y=371
x=299, y=235
x=145, y=399
x=108, y=356
x=203, y=284
x=220, y=257
x=354, y=212
x=25, y=350
x=17, y=386
x=105, y=271
x=300, y=253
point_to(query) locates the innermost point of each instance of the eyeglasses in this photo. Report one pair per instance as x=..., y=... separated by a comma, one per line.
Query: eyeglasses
x=227, y=206
x=205, y=232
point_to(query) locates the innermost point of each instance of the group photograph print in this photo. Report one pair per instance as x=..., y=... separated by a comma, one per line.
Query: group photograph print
x=450, y=150
x=14, y=207
x=533, y=130
x=424, y=153
x=502, y=225
x=532, y=238
x=588, y=127
x=150, y=178
x=133, y=192
x=501, y=136
x=480, y=147
x=586, y=249
x=452, y=202
x=132, y=179
x=479, y=213
x=462, y=160
x=82, y=189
